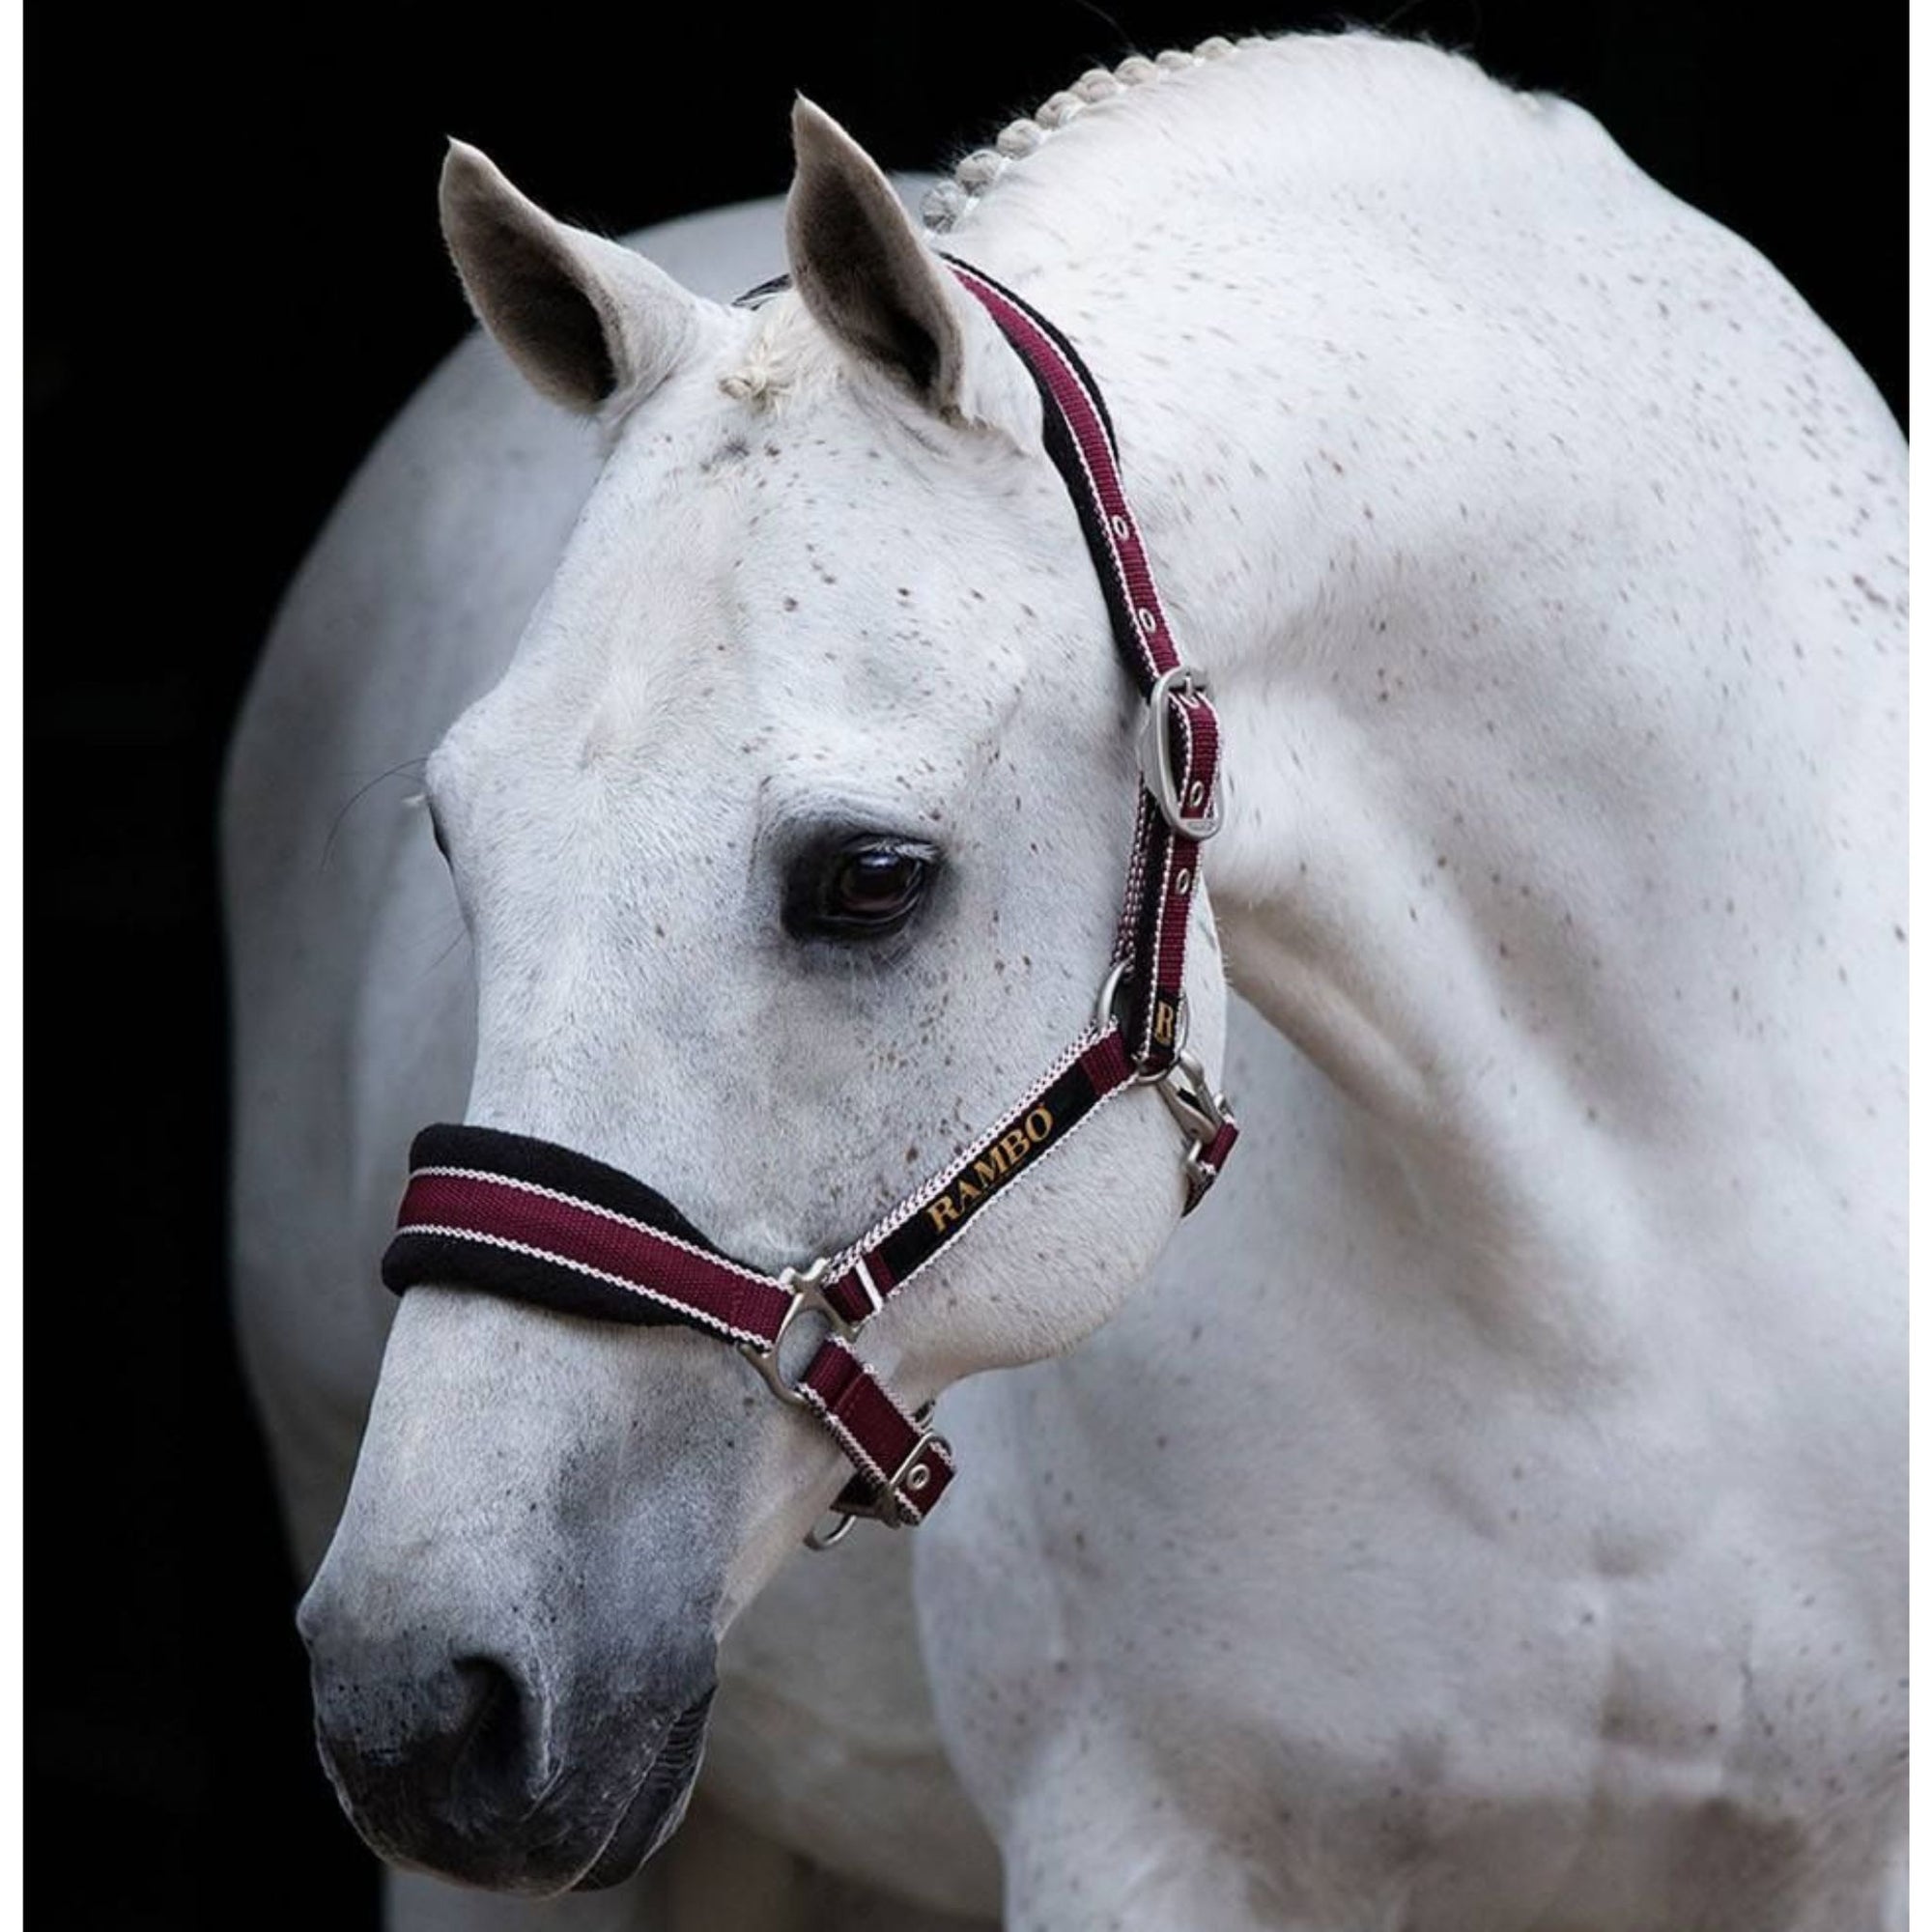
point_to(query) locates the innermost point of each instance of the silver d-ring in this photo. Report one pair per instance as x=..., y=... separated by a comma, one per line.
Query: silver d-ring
x=832, y=1538
x=1110, y=987
x=1104, y=1016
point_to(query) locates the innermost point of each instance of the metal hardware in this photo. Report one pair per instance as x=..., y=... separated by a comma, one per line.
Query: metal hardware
x=830, y=1539
x=1105, y=1016
x=1200, y=1111
x=802, y=1284
x=1194, y=818
x=889, y=1505
x=1110, y=989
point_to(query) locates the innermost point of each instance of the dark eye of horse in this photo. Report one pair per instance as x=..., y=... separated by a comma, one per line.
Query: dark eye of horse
x=863, y=889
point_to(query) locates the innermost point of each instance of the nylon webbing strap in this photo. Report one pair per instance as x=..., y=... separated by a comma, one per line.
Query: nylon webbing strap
x=537, y=1222
x=861, y=1281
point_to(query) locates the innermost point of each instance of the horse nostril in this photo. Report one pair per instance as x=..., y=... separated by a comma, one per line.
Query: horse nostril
x=494, y=1746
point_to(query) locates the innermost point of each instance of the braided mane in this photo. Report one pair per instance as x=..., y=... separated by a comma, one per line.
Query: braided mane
x=785, y=347
x=951, y=201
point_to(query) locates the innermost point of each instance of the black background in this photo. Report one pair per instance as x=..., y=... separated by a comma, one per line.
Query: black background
x=235, y=279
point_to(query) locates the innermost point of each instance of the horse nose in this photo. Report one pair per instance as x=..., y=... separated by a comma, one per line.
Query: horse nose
x=436, y=1751
x=495, y=1746
x=486, y=1743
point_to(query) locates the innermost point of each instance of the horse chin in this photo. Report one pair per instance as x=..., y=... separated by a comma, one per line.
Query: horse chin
x=658, y=1806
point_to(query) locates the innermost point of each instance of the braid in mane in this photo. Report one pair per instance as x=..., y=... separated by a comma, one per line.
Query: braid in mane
x=953, y=199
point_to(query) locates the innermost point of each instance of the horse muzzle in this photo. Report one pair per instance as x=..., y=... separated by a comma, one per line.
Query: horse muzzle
x=471, y=1767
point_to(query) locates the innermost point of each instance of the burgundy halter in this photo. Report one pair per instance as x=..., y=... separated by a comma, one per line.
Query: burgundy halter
x=537, y=1222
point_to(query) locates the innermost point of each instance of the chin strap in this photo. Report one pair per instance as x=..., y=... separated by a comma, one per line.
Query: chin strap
x=537, y=1222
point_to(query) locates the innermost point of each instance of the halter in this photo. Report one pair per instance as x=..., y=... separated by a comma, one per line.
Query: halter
x=536, y=1222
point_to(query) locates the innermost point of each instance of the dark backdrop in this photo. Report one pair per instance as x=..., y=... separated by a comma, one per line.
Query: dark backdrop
x=235, y=279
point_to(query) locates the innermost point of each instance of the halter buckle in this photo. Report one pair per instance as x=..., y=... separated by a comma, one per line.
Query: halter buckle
x=896, y=1501
x=803, y=1285
x=1198, y=815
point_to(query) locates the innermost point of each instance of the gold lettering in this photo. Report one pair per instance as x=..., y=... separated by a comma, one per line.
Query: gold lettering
x=1163, y=1023
x=991, y=1166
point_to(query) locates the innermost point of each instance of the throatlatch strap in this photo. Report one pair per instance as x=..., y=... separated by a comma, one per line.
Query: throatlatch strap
x=536, y=1222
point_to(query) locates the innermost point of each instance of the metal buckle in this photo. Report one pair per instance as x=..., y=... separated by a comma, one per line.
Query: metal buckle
x=1201, y=1112
x=802, y=1284
x=889, y=1505
x=1156, y=760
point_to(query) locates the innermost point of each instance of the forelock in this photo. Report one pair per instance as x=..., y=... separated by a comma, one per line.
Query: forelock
x=787, y=351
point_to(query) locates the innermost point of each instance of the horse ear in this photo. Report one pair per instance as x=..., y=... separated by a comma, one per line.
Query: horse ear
x=867, y=275
x=584, y=319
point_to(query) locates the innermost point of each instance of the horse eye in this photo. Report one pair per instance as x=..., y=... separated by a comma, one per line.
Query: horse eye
x=862, y=889
x=436, y=832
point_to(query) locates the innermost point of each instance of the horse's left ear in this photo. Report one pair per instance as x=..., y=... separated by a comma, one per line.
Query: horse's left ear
x=866, y=272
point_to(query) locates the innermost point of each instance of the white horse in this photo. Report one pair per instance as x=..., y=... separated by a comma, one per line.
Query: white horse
x=1488, y=1513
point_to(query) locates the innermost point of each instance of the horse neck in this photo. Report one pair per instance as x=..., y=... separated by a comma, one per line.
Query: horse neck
x=1382, y=448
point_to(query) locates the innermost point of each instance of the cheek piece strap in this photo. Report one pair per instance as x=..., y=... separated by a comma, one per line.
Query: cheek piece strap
x=534, y=1221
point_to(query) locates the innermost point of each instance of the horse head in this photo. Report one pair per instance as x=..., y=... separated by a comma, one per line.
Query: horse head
x=790, y=848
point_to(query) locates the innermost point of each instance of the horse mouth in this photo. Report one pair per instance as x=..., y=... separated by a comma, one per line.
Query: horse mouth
x=659, y=1804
